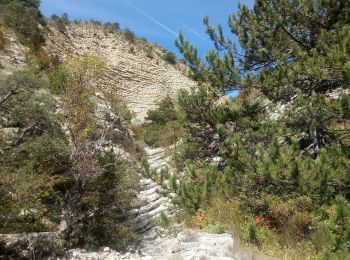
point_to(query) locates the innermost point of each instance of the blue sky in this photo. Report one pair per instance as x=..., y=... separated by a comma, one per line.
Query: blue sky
x=158, y=21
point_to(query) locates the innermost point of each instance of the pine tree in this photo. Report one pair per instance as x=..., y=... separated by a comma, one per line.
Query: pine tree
x=293, y=58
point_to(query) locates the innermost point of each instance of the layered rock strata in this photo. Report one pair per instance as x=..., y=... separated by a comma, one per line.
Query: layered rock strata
x=136, y=71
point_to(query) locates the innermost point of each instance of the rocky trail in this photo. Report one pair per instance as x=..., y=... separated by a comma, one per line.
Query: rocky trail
x=172, y=243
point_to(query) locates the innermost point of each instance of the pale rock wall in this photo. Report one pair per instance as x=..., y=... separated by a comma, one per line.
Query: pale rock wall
x=12, y=56
x=139, y=80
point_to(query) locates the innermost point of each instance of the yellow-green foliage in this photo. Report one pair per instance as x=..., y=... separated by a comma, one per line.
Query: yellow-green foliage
x=38, y=62
x=138, y=132
x=58, y=80
x=118, y=106
x=84, y=70
x=102, y=184
x=82, y=74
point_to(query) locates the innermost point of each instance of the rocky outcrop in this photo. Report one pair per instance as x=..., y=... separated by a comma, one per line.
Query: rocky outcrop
x=44, y=245
x=151, y=201
x=173, y=243
x=12, y=55
x=132, y=75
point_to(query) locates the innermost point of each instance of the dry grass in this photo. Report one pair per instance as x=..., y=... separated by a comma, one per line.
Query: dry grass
x=234, y=222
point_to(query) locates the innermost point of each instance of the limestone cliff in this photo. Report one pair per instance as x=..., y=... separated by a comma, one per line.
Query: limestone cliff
x=12, y=54
x=136, y=71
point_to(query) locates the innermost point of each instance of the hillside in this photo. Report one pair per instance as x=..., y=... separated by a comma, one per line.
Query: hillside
x=74, y=145
x=99, y=159
x=136, y=72
x=12, y=55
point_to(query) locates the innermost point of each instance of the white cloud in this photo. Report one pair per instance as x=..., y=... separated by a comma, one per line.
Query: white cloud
x=196, y=33
x=152, y=18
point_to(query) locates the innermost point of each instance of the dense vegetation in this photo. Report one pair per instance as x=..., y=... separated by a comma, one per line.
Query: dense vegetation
x=24, y=17
x=45, y=172
x=273, y=163
x=162, y=127
x=54, y=169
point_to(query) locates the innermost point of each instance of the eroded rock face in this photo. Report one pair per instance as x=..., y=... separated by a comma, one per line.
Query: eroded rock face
x=45, y=245
x=12, y=56
x=132, y=75
x=151, y=200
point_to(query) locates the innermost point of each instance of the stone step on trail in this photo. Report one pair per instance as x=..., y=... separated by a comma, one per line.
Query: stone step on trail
x=157, y=243
x=150, y=201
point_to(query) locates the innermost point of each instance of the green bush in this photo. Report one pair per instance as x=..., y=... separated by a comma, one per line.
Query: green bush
x=42, y=176
x=170, y=58
x=285, y=164
x=152, y=134
x=129, y=35
x=164, y=113
x=34, y=161
x=252, y=233
x=164, y=220
x=103, y=206
x=58, y=80
x=60, y=22
x=119, y=107
x=48, y=153
x=112, y=27
x=162, y=127
x=25, y=18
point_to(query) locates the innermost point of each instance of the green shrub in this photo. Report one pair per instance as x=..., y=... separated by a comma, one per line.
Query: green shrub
x=164, y=113
x=342, y=222
x=58, y=80
x=152, y=134
x=252, y=233
x=164, y=220
x=119, y=107
x=170, y=58
x=34, y=161
x=103, y=206
x=24, y=18
x=48, y=153
x=138, y=132
x=43, y=177
x=323, y=236
x=112, y=27
x=60, y=22
x=129, y=35
x=162, y=127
